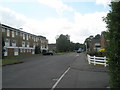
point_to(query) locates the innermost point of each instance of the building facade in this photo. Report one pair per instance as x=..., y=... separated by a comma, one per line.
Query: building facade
x=98, y=42
x=18, y=42
x=104, y=41
x=52, y=47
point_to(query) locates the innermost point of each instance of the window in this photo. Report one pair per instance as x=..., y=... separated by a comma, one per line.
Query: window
x=27, y=50
x=34, y=45
x=24, y=36
x=7, y=42
x=13, y=42
x=15, y=51
x=21, y=50
x=24, y=50
x=97, y=44
x=16, y=33
x=27, y=36
x=28, y=44
x=12, y=33
x=23, y=43
x=3, y=30
x=8, y=33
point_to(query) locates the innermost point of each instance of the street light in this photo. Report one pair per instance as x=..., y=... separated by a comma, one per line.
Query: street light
x=86, y=46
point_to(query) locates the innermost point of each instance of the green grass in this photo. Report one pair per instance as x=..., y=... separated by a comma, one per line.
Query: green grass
x=25, y=55
x=8, y=62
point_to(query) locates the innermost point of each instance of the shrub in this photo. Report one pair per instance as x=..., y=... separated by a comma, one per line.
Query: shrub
x=113, y=48
x=97, y=54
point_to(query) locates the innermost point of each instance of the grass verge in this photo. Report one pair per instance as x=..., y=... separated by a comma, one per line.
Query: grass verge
x=9, y=62
x=25, y=55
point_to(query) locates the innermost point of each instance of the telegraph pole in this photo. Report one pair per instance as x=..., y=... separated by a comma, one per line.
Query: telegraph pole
x=86, y=46
x=0, y=41
x=0, y=56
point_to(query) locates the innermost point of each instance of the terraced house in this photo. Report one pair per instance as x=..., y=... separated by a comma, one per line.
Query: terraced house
x=18, y=42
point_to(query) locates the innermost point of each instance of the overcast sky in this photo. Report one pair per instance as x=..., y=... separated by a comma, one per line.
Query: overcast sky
x=49, y=18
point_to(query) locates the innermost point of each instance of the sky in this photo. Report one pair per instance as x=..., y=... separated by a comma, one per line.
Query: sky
x=50, y=18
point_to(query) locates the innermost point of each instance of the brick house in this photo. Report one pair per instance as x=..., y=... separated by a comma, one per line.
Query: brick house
x=104, y=42
x=98, y=42
x=94, y=43
x=18, y=42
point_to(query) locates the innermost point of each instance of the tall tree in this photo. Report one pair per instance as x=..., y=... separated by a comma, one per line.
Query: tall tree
x=113, y=49
x=63, y=43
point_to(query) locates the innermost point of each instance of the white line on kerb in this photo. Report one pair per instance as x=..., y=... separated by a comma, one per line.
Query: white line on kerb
x=59, y=79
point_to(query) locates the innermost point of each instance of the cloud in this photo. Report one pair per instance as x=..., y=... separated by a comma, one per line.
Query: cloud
x=87, y=24
x=11, y=17
x=58, y=5
x=103, y=2
x=82, y=26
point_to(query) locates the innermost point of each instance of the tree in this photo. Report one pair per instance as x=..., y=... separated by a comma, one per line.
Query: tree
x=37, y=50
x=97, y=36
x=113, y=49
x=63, y=43
x=72, y=46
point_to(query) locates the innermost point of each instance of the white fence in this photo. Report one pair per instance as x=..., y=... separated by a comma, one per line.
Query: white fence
x=97, y=60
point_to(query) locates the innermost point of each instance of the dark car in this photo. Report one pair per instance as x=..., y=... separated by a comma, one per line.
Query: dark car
x=78, y=51
x=48, y=53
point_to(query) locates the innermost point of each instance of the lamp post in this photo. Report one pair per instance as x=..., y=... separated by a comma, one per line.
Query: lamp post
x=0, y=41
x=1, y=55
x=86, y=46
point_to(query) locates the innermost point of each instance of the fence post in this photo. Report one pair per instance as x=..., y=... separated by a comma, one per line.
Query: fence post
x=105, y=61
x=88, y=59
x=94, y=61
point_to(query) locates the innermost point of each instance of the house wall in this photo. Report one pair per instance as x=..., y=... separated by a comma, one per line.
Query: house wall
x=52, y=47
x=103, y=41
x=30, y=41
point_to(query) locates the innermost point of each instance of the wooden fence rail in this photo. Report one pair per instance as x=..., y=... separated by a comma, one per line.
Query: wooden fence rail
x=97, y=60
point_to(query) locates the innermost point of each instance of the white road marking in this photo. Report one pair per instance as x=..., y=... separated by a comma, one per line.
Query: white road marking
x=60, y=79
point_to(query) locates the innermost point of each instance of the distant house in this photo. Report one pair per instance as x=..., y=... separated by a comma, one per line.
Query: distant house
x=18, y=42
x=52, y=47
x=104, y=41
x=97, y=42
x=94, y=43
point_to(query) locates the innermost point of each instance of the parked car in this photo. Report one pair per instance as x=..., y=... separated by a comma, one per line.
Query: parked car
x=48, y=53
x=78, y=51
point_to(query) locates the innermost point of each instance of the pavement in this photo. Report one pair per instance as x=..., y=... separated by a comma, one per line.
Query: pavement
x=84, y=75
x=58, y=71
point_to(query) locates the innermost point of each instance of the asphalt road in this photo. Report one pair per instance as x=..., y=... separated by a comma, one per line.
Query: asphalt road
x=58, y=71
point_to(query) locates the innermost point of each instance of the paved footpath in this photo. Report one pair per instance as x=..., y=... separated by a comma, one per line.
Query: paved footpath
x=83, y=75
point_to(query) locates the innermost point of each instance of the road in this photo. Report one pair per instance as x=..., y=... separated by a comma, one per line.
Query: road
x=58, y=71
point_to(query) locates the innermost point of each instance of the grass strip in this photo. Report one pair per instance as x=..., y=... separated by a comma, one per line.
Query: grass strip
x=25, y=55
x=9, y=62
